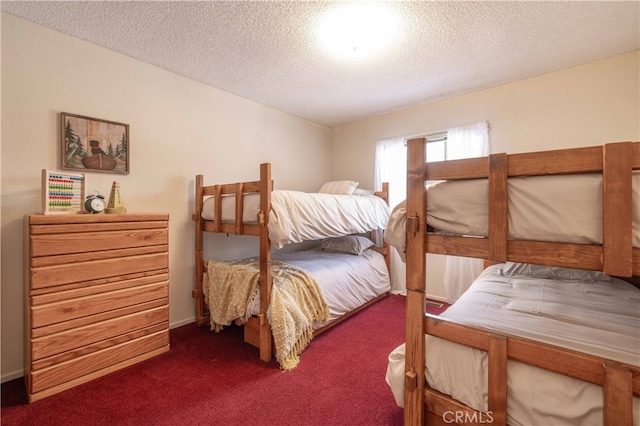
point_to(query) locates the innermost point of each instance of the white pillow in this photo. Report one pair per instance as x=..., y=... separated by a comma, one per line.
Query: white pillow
x=553, y=272
x=343, y=187
x=351, y=244
x=363, y=192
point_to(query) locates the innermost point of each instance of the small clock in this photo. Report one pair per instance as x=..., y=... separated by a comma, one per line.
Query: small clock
x=95, y=203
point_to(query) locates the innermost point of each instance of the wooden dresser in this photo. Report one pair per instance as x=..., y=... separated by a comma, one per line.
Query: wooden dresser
x=96, y=296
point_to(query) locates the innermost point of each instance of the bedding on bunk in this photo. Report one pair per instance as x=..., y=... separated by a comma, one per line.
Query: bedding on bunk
x=538, y=208
x=580, y=310
x=296, y=302
x=345, y=281
x=300, y=216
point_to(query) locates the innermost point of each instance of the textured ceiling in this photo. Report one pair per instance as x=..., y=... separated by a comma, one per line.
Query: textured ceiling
x=267, y=51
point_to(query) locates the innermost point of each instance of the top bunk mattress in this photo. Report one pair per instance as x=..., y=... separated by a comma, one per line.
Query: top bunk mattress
x=300, y=216
x=565, y=208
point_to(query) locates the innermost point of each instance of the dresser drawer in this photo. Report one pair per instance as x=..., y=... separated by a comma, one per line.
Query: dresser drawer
x=55, y=275
x=67, y=310
x=81, y=242
x=81, y=340
x=98, y=363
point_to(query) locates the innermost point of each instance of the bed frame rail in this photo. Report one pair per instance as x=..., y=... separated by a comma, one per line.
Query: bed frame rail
x=238, y=190
x=616, y=256
x=257, y=331
x=620, y=381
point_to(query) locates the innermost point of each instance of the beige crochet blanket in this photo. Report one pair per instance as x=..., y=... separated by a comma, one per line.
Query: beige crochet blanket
x=296, y=302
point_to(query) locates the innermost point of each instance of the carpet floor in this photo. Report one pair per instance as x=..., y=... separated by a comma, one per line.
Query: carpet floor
x=212, y=378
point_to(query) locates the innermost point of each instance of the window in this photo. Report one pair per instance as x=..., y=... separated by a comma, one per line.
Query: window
x=391, y=166
x=436, y=147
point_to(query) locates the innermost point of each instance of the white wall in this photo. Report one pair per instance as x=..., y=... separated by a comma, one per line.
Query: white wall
x=586, y=105
x=178, y=128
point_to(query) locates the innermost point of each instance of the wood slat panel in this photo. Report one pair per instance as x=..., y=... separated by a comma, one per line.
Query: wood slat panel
x=239, y=208
x=217, y=210
x=460, y=246
x=556, y=254
x=248, y=187
x=63, y=357
x=67, y=273
x=80, y=337
x=448, y=411
x=91, y=305
x=57, y=244
x=468, y=168
x=82, y=366
x=562, y=161
x=33, y=397
x=497, y=399
x=133, y=218
x=230, y=228
x=617, y=217
x=617, y=395
x=72, y=228
x=457, y=333
x=151, y=275
x=37, y=262
x=89, y=288
x=102, y=316
x=498, y=208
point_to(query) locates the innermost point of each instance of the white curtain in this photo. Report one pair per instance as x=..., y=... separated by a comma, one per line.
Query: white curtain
x=391, y=166
x=464, y=142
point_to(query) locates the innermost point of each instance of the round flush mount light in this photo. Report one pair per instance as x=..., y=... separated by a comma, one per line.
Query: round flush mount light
x=357, y=30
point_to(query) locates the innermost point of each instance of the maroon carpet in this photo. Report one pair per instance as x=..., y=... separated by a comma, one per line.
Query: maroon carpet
x=212, y=378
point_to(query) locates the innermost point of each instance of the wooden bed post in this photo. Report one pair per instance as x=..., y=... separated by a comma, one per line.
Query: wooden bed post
x=266, y=186
x=197, y=218
x=416, y=273
x=498, y=208
x=616, y=209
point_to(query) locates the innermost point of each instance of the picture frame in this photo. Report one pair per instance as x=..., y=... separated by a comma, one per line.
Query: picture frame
x=94, y=145
x=63, y=193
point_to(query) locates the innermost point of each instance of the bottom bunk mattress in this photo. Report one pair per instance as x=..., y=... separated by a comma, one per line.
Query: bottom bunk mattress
x=328, y=285
x=579, y=310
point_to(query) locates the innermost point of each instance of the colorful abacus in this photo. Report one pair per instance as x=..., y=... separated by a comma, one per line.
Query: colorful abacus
x=62, y=192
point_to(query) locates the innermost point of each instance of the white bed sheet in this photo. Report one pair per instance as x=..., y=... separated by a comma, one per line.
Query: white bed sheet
x=300, y=216
x=347, y=280
x=604, y=320
x=543, y=208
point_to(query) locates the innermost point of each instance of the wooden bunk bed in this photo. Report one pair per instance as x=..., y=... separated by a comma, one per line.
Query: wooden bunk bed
x=615, y=256
x=257, y=330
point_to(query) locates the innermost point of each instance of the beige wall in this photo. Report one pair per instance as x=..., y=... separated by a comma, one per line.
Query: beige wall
x=178, y=128
x=585, y=105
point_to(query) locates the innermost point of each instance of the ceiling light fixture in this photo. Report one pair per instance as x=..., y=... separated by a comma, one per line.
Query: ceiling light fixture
x=357, y=30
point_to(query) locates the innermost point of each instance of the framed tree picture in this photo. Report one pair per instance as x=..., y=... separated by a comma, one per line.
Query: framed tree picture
x=94, y=145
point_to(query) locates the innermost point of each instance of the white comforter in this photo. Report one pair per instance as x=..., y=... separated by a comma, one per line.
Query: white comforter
x=299, y=216
x=597, y=317
x=347, y=280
